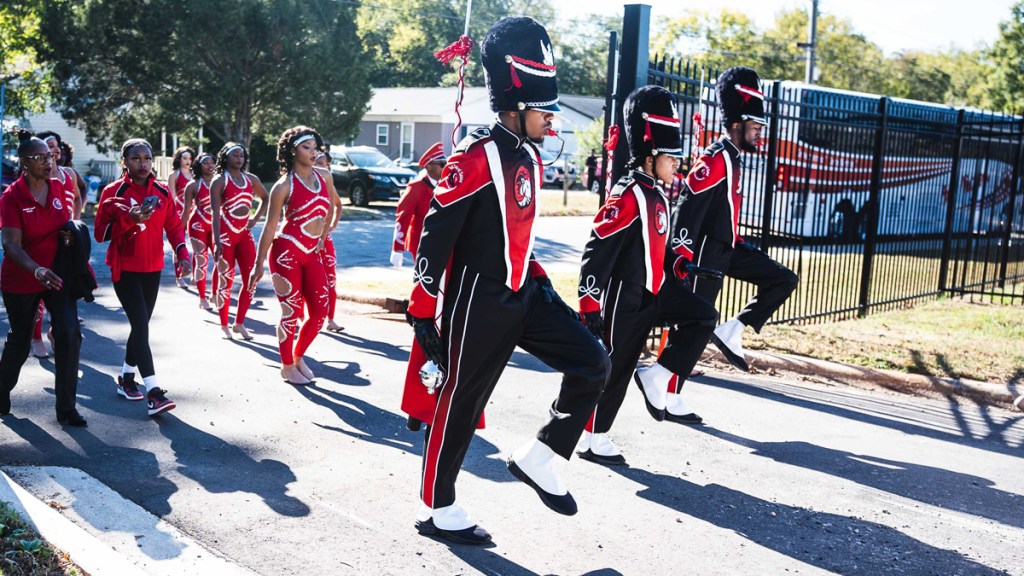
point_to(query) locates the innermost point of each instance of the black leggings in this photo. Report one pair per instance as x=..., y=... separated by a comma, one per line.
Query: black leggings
x=137, y=293
x=67, y=343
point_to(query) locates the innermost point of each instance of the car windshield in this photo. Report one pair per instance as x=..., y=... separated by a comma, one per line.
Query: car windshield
x=546, y=156
x=370, y=159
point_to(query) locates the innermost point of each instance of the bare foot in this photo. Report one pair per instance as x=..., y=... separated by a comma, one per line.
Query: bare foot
x=301, y=365
x=333, y=326
x=241, y=331
x=227, y=333
x=291, y=375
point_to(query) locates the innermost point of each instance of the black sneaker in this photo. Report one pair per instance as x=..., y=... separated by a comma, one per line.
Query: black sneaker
x=127, y=387
x=158, y=402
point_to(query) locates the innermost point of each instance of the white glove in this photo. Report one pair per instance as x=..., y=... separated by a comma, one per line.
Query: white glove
x=396, y=259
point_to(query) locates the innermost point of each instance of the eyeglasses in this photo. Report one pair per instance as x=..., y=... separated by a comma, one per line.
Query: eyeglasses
x=40, y=158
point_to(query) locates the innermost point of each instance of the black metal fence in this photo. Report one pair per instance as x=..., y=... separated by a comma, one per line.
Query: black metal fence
x=874, y=202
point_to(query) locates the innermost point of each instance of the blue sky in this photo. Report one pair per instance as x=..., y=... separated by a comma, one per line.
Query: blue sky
x=895, y=25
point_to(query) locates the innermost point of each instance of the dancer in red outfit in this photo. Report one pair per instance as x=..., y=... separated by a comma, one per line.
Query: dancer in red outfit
x=177, y=181
x=134, y=214
x=231, y=196
x=414, y=204
x=198, y=215
x=304, y=194
x=328, y=255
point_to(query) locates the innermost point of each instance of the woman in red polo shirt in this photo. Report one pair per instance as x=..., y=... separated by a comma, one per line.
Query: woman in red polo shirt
x=134, y=214
x=33, y=212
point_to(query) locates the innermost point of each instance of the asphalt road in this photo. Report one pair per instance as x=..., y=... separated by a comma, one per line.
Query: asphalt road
x=787, y=477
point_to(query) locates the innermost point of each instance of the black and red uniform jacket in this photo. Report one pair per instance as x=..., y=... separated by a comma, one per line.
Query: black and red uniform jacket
x=481, y=216
x=137, y=247
x=708, y=206
x=627, y=242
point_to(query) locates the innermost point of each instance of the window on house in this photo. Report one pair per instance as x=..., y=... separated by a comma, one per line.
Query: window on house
x=382, y=134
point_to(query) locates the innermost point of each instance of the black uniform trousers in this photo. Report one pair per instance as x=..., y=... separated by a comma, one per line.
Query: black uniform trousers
x=690, y=319
x=67, y=343
x=774, y=281
x=483, y=322
x=630, y=312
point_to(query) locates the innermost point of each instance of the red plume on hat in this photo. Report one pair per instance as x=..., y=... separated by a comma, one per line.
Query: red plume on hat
x=433, y=154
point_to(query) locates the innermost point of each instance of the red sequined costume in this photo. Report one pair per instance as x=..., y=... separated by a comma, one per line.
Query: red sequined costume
x=237, y=247
x=200, y=230
x=297, y=269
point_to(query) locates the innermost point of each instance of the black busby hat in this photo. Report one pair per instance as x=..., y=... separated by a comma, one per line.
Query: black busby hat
x=739, y=96
x=519, y=66
x=652, y=123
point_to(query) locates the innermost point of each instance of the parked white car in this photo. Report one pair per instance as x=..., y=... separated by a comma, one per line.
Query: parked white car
x=555, y=170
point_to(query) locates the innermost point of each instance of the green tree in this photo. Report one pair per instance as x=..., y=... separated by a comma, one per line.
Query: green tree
x=402, y=36
x=239, y=67
x=581, y=51
x=1007, y=86
x=28, y=82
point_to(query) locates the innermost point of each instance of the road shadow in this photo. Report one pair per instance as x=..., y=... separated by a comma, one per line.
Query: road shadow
x=223, y=468
x=377, y=347
x=972, y=495
x=884, y=413
x=487, y=562
x=385, y=428
x=143, y=484
x=840, y=544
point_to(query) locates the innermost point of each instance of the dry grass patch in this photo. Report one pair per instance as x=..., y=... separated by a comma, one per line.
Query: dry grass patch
x=949, y=338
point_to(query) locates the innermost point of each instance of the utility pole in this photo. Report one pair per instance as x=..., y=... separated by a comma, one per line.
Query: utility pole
x=812, y=43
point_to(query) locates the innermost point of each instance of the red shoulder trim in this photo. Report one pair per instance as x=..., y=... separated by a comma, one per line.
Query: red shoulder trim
x=464, y=174
x=706, y=173
x=617, y=214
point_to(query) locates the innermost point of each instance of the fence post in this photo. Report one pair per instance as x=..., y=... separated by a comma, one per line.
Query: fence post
x=953, y=191
x=634, y=60
x=874, y=201
x=609, y=110
x=1011, y=205
x=770, y=175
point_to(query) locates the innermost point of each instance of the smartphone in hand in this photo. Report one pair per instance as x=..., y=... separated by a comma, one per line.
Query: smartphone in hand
x=149, y=203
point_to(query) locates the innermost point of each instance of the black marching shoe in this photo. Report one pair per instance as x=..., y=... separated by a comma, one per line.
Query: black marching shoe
x=564, y=504
x=615, y=460
x=72, y=418
x=691, y=419
x=472, y=536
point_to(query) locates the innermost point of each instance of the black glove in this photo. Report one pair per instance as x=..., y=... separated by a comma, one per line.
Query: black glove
x=594, y=323
x=551, y=296
x=428, y=339
x=702, y=272
x=744, y=245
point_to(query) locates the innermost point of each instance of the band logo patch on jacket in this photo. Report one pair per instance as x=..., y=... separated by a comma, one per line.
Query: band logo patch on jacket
x=661, y=220
x=523, y=187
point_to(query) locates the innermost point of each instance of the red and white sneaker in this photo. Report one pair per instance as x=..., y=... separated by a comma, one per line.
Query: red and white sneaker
x=127, y=387
x=158, y=402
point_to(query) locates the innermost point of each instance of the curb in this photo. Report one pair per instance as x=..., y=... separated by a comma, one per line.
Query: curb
x=919, y=384
x=85, y=550
x=984, y=393
x=126, y=539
